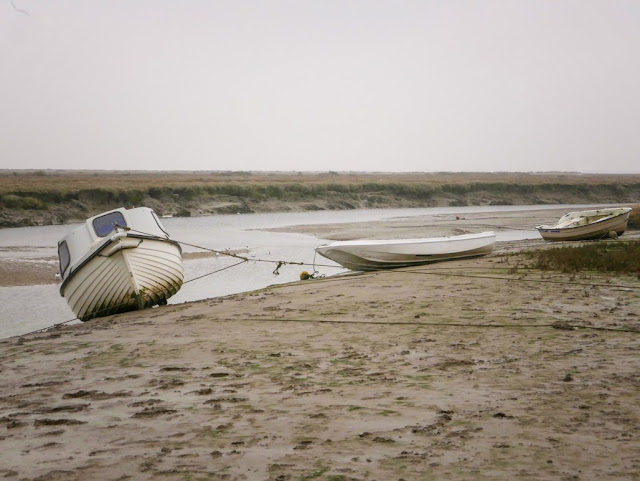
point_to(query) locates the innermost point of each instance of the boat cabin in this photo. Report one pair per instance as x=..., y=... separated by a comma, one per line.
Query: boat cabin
x=96, y=231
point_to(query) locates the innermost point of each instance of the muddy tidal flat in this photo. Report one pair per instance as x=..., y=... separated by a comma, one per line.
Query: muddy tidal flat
x=478, y=369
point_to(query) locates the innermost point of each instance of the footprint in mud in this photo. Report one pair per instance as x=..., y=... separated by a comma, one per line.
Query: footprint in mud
x=166, y=383
x=228, y=399
x=50, y=445
x=69, y=408
x=44, y=384
x=147, y=402
x=204, y=391
x=152, y=412
x=15, y=424
x=56, y=432
x=95, y=395
x=57, y=422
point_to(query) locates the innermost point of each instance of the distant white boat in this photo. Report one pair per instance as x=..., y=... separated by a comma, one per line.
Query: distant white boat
x=118, y=261
x=367, y=255
x=587, y=225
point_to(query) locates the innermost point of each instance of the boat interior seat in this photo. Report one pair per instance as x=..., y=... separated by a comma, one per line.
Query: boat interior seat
x=580, y=221
x=568, y=223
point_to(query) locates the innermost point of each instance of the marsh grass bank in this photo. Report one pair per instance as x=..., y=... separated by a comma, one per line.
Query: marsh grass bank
x=602, y=256
x=58, y=197
x=634, y=218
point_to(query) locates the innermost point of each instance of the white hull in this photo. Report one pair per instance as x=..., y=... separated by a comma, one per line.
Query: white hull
x=130, y=273
x=366, y=255
x=587, y=225
x=118, y=261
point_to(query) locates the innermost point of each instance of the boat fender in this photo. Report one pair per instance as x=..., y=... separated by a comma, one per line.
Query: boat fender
x=304, y=275
x=613, y=234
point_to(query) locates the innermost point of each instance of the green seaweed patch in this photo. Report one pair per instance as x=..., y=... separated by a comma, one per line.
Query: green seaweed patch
x=314, y=474
x=130, y=362
x=389, y=412
x=211, y=433
x=111, y=356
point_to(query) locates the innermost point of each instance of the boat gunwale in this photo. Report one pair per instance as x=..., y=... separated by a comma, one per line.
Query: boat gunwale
x=351, y=257
x=360, y=263
x=104, y=245
x=381, y=242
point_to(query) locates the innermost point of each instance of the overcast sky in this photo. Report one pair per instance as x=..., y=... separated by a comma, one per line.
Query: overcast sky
x=447, y=85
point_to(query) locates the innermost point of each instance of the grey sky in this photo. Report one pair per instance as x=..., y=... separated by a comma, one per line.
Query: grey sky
x=321, y=85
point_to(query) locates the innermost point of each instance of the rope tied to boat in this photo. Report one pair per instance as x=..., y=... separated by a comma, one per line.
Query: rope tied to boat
x=439, y=272
x=304, y=275
x=228, y=253
x=214, y=272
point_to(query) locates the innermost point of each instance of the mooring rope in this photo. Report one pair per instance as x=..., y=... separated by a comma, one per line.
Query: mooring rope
x=214, y=272
x=243, y=259
x=553, y=325
x=432, y=271
x=111, y=308
x=519, y=279
x=425, y=272
x=279, y=263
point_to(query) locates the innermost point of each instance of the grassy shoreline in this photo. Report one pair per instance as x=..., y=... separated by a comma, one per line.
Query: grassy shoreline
x=58, y=197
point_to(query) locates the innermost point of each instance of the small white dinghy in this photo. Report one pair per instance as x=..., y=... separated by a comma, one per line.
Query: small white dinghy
x=587, y=225
x=368, y=255
x=119, y=261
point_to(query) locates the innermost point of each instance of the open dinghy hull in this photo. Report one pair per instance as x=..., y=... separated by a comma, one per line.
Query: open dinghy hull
x=367, y=255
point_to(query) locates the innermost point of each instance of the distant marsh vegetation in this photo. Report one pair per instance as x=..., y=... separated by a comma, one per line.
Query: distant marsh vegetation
x=58, y=196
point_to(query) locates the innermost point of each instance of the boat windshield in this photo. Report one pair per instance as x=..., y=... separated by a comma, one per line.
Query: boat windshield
x=63, y=255
x=106, y=224
x=155, y=217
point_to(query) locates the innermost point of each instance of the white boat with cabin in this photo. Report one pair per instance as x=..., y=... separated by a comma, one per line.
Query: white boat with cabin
x=587, y=225
x=119, y=261
x=367, y=255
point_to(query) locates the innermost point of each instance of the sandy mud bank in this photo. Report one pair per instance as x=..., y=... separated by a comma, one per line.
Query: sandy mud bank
x=478, y=369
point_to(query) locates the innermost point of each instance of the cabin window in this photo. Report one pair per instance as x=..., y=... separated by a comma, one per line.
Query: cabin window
x=64, y=256
x=105, y=224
